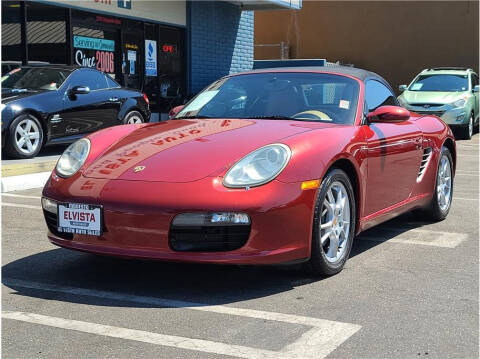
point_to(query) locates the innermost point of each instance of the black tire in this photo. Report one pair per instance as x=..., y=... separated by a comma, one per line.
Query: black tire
x=318, y=264
x=434, y=211
x=466, y=132
x=132, y=115
x=12, y=148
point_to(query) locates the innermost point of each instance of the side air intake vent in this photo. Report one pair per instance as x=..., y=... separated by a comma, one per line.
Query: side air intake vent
x=427, y=154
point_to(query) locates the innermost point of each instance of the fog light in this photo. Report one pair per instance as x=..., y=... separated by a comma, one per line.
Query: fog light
x=460, y=117
x=49, y=205
x=206, y=219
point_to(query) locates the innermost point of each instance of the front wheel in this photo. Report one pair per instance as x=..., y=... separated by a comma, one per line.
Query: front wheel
x=333, y=224
x=25, y=137
x=466, y=133
x=442, y=196
x=133, y=117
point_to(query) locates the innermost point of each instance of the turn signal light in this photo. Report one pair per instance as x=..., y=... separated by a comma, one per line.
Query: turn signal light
x=310, y=184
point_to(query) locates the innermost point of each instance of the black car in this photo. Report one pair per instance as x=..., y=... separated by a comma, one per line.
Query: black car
x=53, y=104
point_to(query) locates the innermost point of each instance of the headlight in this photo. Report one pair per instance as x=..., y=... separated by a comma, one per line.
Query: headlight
x=258, y=167
x=459, y=103
x=73, y=158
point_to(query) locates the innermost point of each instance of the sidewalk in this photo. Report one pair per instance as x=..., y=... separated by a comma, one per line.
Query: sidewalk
x=25, y=174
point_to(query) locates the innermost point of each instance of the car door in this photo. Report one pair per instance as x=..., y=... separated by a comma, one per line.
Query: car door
x=85, y=113
x=394, y=153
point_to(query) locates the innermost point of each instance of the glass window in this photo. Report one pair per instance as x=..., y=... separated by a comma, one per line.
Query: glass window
x=11, y=34
x=377, y=94
x=301, y=96
x=34, y=78
x=46, y=33
x=111, y=82
x=95, y=49
x=442, y=83
x=94, y=80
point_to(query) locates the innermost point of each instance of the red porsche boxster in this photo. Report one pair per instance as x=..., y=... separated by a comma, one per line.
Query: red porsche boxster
x=268, y=166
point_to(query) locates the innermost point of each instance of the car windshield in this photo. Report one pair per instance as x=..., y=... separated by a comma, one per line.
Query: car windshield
x=440, y=83
x=283, y=96
x=34, y=79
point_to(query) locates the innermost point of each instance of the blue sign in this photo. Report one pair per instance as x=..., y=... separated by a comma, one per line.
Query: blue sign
x=125, y=4
x=150, y=58
x=92, y=43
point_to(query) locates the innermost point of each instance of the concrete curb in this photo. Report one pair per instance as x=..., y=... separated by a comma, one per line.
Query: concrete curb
x=22, y=182
x=23, y=168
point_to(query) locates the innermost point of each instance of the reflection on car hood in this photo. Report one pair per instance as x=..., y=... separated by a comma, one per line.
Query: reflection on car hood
x=9, y=95
x=189, y=150
x=422, y=97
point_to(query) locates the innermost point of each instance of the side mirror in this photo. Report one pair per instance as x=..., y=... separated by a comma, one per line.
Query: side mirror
x=476, y=89
x=389, y=114
x=79, y=90
x=173, y=112
x=402, y=88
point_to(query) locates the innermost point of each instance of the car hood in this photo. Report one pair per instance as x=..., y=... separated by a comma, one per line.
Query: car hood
x=189, y=150
x=9, y=95
x=424, y=97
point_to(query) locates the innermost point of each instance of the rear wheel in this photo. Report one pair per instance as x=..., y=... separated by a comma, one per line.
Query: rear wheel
x=133, y=117
x=442, y=197
x=333, y=224
x=25, y=137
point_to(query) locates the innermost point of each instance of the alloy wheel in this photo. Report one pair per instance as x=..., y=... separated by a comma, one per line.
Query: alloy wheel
x=444, y=184
x=335, y=222
x=470, y=127
x=134, y=119
x=27, y=136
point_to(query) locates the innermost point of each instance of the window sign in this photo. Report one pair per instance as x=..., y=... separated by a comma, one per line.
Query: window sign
x=93, y=43
x=150, y=58
x=125, y=4
x=93, y=52
x=132, y=57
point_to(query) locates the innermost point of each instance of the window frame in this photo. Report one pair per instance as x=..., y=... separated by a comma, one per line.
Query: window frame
x=69, y=79
x=366, y=109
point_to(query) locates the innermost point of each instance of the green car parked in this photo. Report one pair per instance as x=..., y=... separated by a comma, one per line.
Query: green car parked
x=448, y=92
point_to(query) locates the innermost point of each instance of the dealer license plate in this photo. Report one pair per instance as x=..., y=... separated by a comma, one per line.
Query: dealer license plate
x=80, y=218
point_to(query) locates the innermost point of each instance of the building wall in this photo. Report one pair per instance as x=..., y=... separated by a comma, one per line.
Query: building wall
x=170, y=12
x=220, y=39
x=396, y=39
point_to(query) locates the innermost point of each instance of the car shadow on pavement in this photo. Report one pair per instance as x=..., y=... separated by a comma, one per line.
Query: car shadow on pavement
x=199, y=283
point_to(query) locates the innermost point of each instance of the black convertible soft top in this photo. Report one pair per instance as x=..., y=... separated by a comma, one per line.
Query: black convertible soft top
x=346, y=70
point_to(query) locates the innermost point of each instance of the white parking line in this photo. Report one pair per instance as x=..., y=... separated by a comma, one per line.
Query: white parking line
x=419, y=236
x=465, y=199
x=19, y=196
x=318, y=342
x=7, y=204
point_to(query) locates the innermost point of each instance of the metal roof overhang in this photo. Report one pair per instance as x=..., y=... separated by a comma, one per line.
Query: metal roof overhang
x=268, y=4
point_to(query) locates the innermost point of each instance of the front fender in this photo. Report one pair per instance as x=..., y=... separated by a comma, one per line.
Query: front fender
x=314, y=152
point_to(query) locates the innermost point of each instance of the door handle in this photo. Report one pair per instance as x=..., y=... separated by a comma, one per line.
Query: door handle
x=113, y=99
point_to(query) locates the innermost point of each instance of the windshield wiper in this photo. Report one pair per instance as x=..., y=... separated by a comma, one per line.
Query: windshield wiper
x=191, y=117
x=273, y=117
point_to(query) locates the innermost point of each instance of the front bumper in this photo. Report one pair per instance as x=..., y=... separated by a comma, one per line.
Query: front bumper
x=453, y=116
x=138, y=216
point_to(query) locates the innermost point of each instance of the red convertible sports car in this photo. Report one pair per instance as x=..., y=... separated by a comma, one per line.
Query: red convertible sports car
x=269, y=166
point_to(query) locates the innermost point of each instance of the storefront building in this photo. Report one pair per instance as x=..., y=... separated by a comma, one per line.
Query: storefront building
x=168, y=49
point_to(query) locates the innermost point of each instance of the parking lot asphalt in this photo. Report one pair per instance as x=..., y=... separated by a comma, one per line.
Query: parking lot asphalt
x=410, y=289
